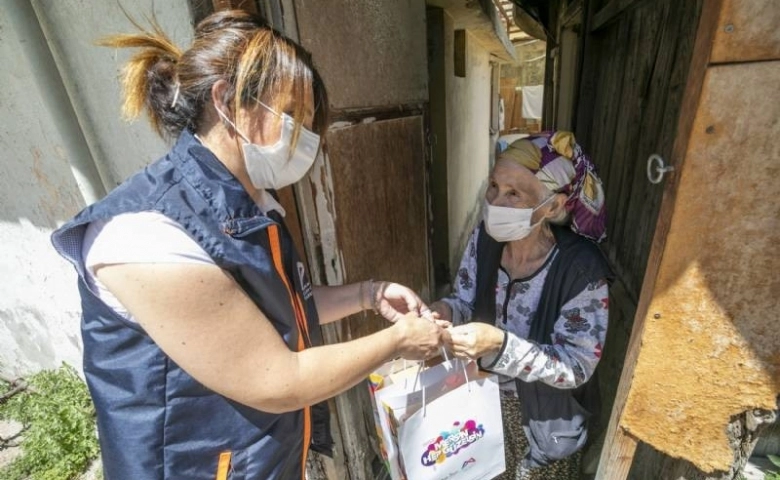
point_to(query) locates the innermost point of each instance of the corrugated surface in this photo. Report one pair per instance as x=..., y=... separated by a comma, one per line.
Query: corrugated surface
x=59, y=127
x=91, y=75
x=714, y=349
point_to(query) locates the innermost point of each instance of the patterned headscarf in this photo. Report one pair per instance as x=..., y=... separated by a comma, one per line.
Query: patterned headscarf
x=560, y=164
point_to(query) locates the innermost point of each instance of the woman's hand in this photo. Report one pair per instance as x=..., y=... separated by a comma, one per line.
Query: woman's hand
x=418, y=338
x=393, y=300
x=474, y=340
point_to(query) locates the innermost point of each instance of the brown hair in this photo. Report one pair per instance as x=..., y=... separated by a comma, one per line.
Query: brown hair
x=256, y=61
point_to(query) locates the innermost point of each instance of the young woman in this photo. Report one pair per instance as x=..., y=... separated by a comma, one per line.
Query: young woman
x=200, y=325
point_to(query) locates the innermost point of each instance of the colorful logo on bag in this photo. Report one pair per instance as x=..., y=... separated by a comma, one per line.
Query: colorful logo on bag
x=452, y=441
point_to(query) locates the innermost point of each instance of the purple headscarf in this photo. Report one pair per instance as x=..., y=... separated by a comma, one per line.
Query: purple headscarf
x=560, y=164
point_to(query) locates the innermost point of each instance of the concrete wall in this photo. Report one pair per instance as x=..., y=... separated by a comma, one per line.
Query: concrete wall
x=63, y=145
x=469, y=144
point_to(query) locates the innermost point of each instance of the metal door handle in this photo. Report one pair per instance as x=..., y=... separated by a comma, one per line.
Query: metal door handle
x=656, y=168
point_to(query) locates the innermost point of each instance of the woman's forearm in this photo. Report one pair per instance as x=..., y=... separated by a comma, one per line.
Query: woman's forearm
x=336, y=302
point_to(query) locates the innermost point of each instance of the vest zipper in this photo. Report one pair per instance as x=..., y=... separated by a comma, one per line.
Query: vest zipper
x=303, y=330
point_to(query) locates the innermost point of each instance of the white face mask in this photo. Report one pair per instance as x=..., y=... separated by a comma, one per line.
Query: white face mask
x=272, y=166
x=506, y=224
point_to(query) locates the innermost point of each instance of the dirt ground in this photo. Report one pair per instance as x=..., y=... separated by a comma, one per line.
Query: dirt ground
x=8, y=429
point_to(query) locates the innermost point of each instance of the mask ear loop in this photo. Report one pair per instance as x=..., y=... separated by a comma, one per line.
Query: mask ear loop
x=230, y=122
x=544, y=202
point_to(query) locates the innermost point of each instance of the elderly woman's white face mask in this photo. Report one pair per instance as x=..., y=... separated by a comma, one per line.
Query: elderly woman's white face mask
x=507, y=224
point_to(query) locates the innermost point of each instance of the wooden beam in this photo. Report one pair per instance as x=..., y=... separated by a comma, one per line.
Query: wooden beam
x=610, y=12
x=503, y=13
x=617, y=454
x=572, y=15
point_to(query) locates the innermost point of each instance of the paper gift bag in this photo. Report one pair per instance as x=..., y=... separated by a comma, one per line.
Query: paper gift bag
x=394, y=377
x=457, y=434
x=400, y=384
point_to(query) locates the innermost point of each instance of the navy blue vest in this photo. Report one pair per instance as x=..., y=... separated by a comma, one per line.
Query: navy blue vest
x=154, y=420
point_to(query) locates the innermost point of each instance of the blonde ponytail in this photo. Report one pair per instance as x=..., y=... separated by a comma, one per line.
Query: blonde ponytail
x=257, y=62
x=149, y=77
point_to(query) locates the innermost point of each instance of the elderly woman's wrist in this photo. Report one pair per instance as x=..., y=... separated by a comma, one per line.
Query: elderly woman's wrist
x=499, y=340
x=490, y=359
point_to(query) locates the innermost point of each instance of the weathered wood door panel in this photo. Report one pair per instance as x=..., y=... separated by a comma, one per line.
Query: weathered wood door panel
x=703, y=361
x=365, y=206
x=708, y=341
x=379, y=200
x=378, y=205
x=633, y=77
x=635, y=65
x=365, y=212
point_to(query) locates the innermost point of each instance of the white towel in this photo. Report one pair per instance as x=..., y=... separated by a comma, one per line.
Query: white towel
x=533, y=96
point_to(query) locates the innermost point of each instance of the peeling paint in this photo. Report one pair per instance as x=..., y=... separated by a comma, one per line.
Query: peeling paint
x=340, y=125
x=326, y=220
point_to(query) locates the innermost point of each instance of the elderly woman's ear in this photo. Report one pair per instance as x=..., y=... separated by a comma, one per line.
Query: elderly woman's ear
x=557, y=213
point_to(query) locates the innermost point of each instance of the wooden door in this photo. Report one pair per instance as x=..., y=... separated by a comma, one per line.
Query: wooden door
x=635, y=62
x=703, y=367
x=364, y=207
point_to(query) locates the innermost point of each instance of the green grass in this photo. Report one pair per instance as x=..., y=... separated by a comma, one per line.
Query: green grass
x=59, y=440
x=774, y=474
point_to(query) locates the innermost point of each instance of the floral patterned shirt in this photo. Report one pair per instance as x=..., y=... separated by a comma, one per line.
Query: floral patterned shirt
x=575, y=345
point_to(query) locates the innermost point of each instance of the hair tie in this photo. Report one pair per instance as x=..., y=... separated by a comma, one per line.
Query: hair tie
x=176, y=95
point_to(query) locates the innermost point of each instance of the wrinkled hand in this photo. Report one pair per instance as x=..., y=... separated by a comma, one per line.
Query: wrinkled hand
x=474, y=340
x=393, y=300
x=418, y=338
x=441, y=310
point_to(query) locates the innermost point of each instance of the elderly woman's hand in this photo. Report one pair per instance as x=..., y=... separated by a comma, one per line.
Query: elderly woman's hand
x=474, y=340
x=441, y=310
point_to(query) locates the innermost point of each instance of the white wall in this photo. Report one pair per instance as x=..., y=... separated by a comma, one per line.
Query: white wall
x=468, y=138
x=63, y=145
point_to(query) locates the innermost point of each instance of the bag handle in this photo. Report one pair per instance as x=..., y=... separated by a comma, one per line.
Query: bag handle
x=422, y=386
x=427, y=314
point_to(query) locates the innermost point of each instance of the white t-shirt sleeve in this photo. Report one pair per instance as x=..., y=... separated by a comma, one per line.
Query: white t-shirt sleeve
x=144, y=237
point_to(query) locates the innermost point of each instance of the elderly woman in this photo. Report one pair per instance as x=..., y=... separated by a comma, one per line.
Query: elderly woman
x=530, y=301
